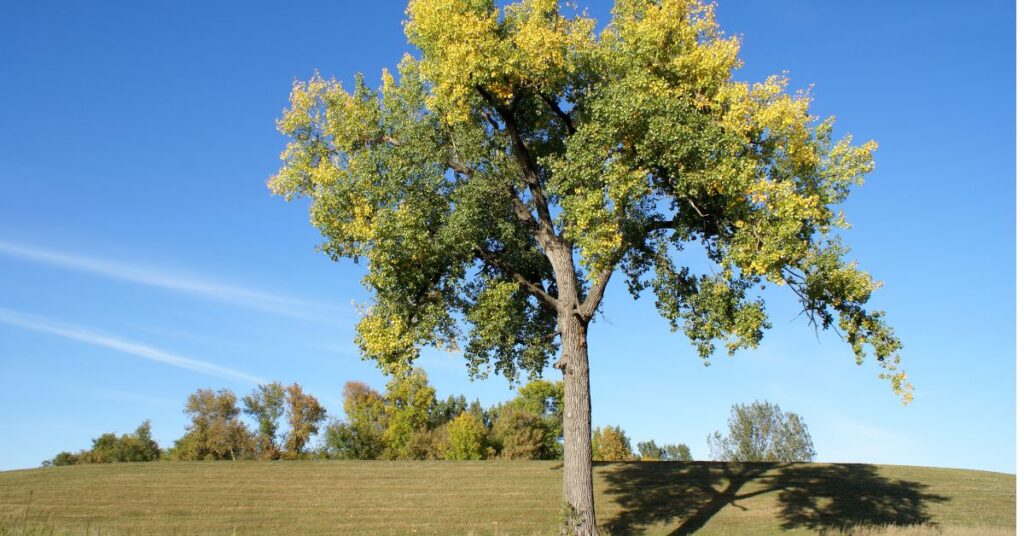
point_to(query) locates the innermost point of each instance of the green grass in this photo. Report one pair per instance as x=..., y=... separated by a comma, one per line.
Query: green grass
x=321, y=497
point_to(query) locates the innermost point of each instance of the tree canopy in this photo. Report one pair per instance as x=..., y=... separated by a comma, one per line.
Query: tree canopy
x=520, y=128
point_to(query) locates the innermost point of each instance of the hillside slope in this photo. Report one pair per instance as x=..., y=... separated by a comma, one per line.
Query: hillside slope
x=367, y=497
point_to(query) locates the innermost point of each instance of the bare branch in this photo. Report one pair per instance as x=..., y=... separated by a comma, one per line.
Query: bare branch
x=695, y=207
x=794, y=274
x=390, y=141
x=657, y=225
x=459, y=167
x=664, y=173
x=490, y=119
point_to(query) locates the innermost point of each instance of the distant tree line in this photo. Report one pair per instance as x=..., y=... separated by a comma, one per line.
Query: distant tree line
x=408, y=422
x=108, y=448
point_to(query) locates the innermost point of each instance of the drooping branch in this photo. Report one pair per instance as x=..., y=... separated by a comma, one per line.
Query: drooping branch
x=533, y=287
x=795, y=281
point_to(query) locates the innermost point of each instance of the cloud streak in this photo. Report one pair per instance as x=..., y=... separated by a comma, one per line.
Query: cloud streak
x=149, y=276
x=80, y=334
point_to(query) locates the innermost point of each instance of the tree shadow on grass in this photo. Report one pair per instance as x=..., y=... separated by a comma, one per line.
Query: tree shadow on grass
x=846, y=495
x=816, y=497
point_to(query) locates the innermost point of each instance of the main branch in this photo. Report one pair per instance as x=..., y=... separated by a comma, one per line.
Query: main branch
x=529, y=169
x=596, y=294
x=533, y=287
x=562, y=114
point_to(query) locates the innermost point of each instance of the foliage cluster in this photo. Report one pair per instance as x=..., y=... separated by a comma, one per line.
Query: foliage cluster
x=407, y=421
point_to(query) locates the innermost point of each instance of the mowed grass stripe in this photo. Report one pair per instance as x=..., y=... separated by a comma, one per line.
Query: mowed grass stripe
x=317, y=497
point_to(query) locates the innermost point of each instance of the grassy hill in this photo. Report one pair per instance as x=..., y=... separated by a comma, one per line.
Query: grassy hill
x=485, y=498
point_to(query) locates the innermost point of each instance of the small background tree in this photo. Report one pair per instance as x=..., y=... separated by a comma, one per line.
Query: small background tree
x=467, y=437
x=216, y=432
x=361, y=435
x=409, y=401
x=266, y=405
x=519, y=434
x=678, y=453
x=530, y=425
x=761, y=432
x=304, y=417
x=610, y=444
x=649, y=451
x=446, y=410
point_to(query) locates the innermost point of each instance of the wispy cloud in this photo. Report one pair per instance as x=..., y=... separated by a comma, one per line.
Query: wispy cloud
x=154, y=277
x=80, y=334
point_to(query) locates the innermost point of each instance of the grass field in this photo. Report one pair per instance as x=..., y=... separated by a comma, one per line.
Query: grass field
x=484, y=498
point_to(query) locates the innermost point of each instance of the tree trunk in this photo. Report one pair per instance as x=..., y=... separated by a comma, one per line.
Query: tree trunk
x=577, y=474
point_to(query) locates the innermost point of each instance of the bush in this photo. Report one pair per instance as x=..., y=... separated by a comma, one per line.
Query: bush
x=466, y=438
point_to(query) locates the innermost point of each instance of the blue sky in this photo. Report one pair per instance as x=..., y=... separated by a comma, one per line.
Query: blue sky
x=142, y=257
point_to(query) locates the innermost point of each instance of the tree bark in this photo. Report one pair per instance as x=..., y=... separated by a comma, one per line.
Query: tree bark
x=577, y=473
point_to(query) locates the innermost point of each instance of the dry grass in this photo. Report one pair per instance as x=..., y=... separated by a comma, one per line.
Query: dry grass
x=920, y=530
x=500, y=498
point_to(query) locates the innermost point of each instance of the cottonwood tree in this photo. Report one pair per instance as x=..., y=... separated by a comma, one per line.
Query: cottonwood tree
x=522, y=157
